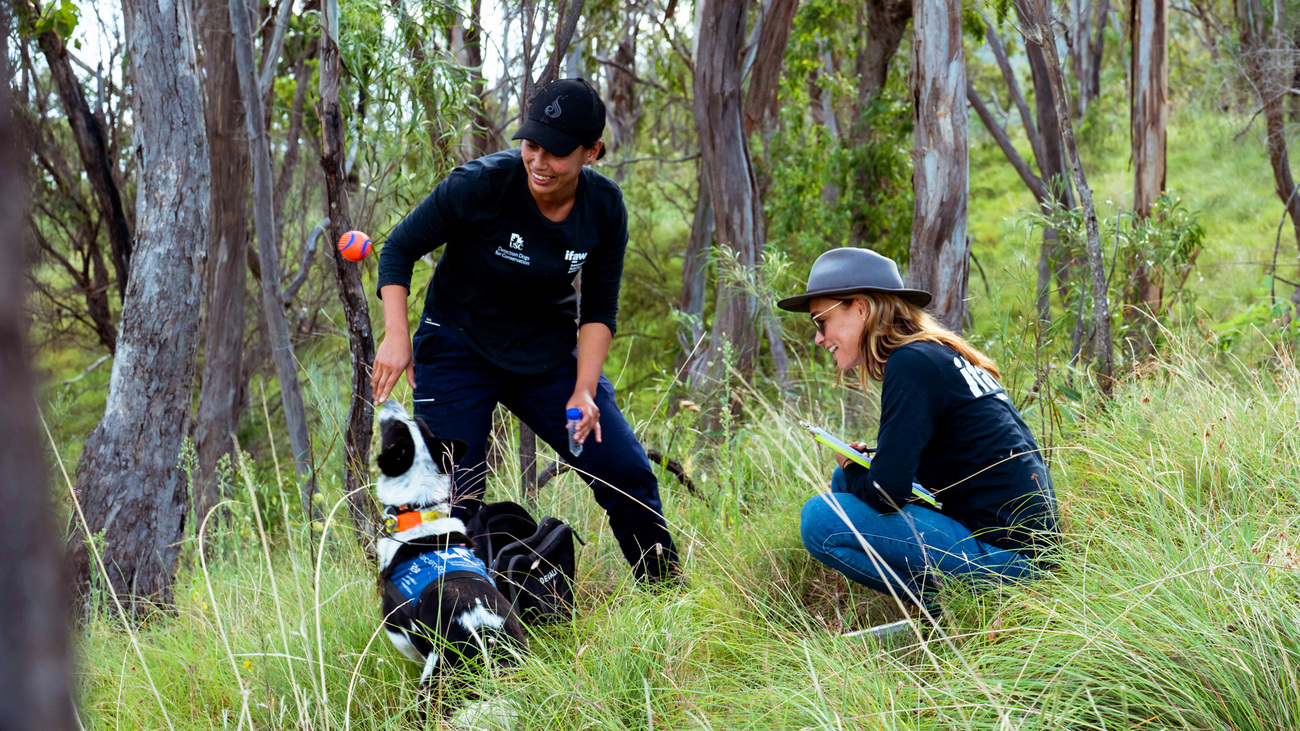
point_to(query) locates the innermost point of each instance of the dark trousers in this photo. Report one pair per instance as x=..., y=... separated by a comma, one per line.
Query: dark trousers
x=456, y=391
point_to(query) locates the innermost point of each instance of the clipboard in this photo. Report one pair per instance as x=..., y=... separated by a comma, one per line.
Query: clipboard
x=839, y=446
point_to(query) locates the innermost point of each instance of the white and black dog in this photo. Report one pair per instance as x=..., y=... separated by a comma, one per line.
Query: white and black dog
x=440, y=606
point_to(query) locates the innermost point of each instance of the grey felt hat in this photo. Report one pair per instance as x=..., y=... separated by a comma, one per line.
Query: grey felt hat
x=846, y=271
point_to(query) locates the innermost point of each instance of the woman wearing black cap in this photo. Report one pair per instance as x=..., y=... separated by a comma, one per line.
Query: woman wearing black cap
x=502, y=320
x=945, y=422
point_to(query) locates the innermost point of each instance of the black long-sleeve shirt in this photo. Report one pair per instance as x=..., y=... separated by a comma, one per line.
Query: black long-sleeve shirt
x=950, y=426
x=505, y=279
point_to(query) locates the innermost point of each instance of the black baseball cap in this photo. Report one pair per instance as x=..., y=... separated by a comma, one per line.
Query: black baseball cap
x=565, y=114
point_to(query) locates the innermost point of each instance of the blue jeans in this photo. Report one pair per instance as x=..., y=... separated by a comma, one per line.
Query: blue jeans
x=920, y=545
x=456, y=391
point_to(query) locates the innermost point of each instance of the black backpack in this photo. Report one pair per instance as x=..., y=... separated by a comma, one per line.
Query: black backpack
x=533, y=565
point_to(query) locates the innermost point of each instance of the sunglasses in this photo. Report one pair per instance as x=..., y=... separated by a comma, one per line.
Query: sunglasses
x=818, y=322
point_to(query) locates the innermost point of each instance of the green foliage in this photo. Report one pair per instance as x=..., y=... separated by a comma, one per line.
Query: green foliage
x=1174, y=603
x=59, y=16
x=1166, y=243
x=1277, y=320
x=831, y=190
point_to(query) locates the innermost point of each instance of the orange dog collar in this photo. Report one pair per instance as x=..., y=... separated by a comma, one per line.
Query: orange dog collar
x=407, y=520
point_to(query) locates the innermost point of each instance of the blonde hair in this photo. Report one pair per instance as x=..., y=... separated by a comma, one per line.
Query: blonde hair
x=892, y=322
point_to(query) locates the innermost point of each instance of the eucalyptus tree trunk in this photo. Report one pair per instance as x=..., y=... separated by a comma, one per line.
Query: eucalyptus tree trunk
x=1148, y=117
x=222, y=397
x=1087, y=42
x=1037, y=29
x=361, y=341
x=881, y=29
x=939, y=261
x=759, y=114
x=133, y=492
x=733, y=189
x=769, y=62
x=620, y=89
x=277, y=326
x=881, y=26
x=92, y=146
x=35, y=659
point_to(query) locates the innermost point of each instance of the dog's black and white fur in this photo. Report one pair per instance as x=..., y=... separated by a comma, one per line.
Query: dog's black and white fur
x=462, y=615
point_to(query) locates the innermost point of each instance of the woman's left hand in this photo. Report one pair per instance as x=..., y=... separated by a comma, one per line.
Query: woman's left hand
x=843, y=461
x=583, y=401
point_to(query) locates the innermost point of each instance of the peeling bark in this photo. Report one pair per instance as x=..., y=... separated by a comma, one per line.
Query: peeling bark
x=1148, y=118
x=132, y=491
x=222, y=396
x=733, y=189
x=940, y=252
x=765, y=77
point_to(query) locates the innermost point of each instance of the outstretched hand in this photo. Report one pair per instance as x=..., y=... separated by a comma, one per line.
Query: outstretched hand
x=392, y=359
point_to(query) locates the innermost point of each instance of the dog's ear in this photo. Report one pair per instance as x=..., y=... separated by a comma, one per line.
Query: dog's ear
x=446, y=452
x=398, y=449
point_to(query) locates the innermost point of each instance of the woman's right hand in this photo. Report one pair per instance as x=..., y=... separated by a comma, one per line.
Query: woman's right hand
x=394, y=357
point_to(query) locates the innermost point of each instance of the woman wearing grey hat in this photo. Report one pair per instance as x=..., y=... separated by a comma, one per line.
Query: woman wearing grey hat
x=945, y=422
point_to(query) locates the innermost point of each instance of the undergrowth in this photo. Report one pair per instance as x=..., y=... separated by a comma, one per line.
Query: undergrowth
x=1174, y=603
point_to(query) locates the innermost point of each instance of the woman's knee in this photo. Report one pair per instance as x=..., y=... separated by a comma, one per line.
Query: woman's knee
x=818, y=521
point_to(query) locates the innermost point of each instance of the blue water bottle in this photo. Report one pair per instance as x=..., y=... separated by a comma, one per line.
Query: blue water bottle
x=573, y=416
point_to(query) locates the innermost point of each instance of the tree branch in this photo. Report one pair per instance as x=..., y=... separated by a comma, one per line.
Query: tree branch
x=615, y=64
x=1013, y=87
x=1033, y=182
x=271, y=56
x=563, y=35
x=308, y=251
x=653, y=158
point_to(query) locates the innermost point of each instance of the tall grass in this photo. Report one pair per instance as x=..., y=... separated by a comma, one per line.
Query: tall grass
x=1175, y=605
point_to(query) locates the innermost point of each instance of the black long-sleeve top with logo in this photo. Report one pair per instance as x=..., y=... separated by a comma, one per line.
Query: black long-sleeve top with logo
x=950, y=426
x=505, y=281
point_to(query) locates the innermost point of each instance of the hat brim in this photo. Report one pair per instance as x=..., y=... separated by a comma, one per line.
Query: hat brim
x=800, y=303
x=560, y=144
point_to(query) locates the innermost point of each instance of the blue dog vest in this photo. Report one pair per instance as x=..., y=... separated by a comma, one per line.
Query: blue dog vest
x=412, y=576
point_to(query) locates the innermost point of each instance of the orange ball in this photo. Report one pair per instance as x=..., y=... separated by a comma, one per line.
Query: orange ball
x=354, y=245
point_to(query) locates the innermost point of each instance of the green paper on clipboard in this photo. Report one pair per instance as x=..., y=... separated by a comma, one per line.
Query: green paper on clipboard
x=821, y=436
